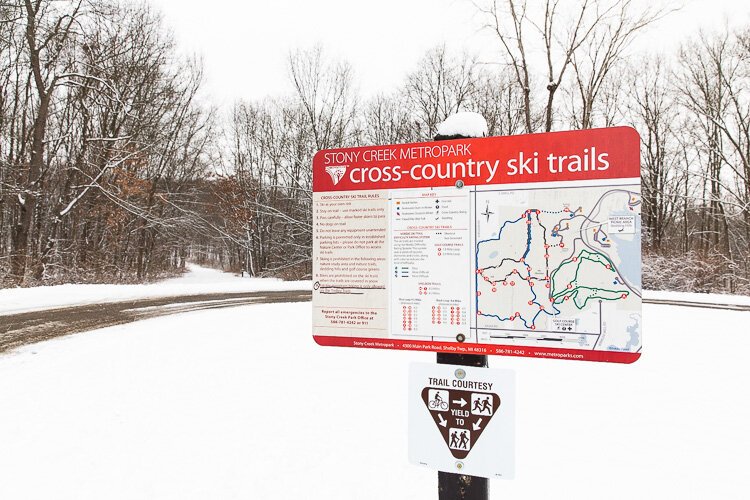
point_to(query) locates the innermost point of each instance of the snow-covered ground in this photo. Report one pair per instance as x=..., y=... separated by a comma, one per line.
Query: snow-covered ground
x=707, y=298
x=202, y=280
x=197, y=280
x=240, y=403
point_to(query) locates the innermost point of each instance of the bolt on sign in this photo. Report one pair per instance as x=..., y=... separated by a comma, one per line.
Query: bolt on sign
x=462, y=419
x=520, y=246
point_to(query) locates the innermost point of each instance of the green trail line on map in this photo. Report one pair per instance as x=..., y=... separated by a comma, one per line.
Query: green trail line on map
x=572, y=288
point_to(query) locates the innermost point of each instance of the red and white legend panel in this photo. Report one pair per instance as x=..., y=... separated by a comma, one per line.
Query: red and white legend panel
x=429, y=259
x=443, y=315
x=408, y=318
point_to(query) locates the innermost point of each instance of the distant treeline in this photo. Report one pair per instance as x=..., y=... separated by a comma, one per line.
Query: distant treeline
x=113, y=168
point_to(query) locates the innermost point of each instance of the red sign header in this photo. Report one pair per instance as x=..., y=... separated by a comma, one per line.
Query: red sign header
x=609, y=153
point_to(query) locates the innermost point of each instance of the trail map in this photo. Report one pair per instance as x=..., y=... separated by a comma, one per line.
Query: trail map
x=559, y=266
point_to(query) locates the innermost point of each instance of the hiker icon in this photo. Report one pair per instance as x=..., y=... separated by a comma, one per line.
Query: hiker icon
x=460, y=439
x=481, y=404
x=437, y=400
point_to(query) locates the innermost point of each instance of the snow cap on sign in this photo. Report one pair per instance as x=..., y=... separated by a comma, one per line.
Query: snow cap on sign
x=463, y=124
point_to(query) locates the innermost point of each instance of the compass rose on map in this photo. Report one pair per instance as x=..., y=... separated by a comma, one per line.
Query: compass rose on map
x=487, y=212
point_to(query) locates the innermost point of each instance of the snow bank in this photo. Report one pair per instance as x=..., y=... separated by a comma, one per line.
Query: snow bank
x=707, y=298
x=467, y=124
x=198, y=280
x=240, y=403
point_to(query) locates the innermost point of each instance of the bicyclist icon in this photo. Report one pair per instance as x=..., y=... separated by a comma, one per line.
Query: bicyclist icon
x=438, y=400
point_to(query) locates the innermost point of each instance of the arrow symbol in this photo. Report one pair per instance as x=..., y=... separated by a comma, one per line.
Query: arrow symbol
x=443, y=421
x=477, y=425
x=460, y=402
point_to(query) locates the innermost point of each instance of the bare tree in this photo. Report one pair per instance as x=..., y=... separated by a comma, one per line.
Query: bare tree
x=499, y=101
x=324, y=91
x=441, y=85
x=48, y=32
x=602, y=51
x=654, y=111
x=704, y=96
x=387, y=119
x=589, y=36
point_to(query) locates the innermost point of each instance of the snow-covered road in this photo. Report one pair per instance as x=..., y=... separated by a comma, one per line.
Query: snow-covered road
x=197, y=281
x=240, y=403
x=35, y=314
x=36, y=326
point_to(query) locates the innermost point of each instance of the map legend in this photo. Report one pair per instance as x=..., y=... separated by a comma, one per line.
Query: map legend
x=430, y=240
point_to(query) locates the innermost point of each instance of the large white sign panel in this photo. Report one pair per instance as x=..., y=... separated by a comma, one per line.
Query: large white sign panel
x=462, y=419
x=516, y=246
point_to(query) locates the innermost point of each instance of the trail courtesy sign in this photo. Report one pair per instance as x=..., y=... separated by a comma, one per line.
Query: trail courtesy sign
x=462, y=419
x=521, y=246
x=462, y=426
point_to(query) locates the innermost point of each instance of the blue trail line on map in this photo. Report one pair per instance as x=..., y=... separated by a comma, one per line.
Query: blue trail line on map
x=528, y=217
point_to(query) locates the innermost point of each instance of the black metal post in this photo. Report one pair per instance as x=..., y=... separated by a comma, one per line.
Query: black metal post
x=462, y=359
x=455, y=487
x=458, y=486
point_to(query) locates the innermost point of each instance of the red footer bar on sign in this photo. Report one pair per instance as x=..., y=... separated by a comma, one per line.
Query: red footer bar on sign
x=479, y=349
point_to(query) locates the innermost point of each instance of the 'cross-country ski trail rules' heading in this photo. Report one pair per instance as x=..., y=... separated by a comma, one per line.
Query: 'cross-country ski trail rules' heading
x=522, y=246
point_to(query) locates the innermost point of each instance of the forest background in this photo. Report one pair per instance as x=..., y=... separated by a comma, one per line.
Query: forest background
x=116, y=166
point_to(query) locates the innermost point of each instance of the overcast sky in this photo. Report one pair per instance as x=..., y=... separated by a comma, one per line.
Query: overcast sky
x=244, y=43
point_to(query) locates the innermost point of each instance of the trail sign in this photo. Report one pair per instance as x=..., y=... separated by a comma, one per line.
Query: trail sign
x=461, y=419
x=521, y=246
x=461, y=426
